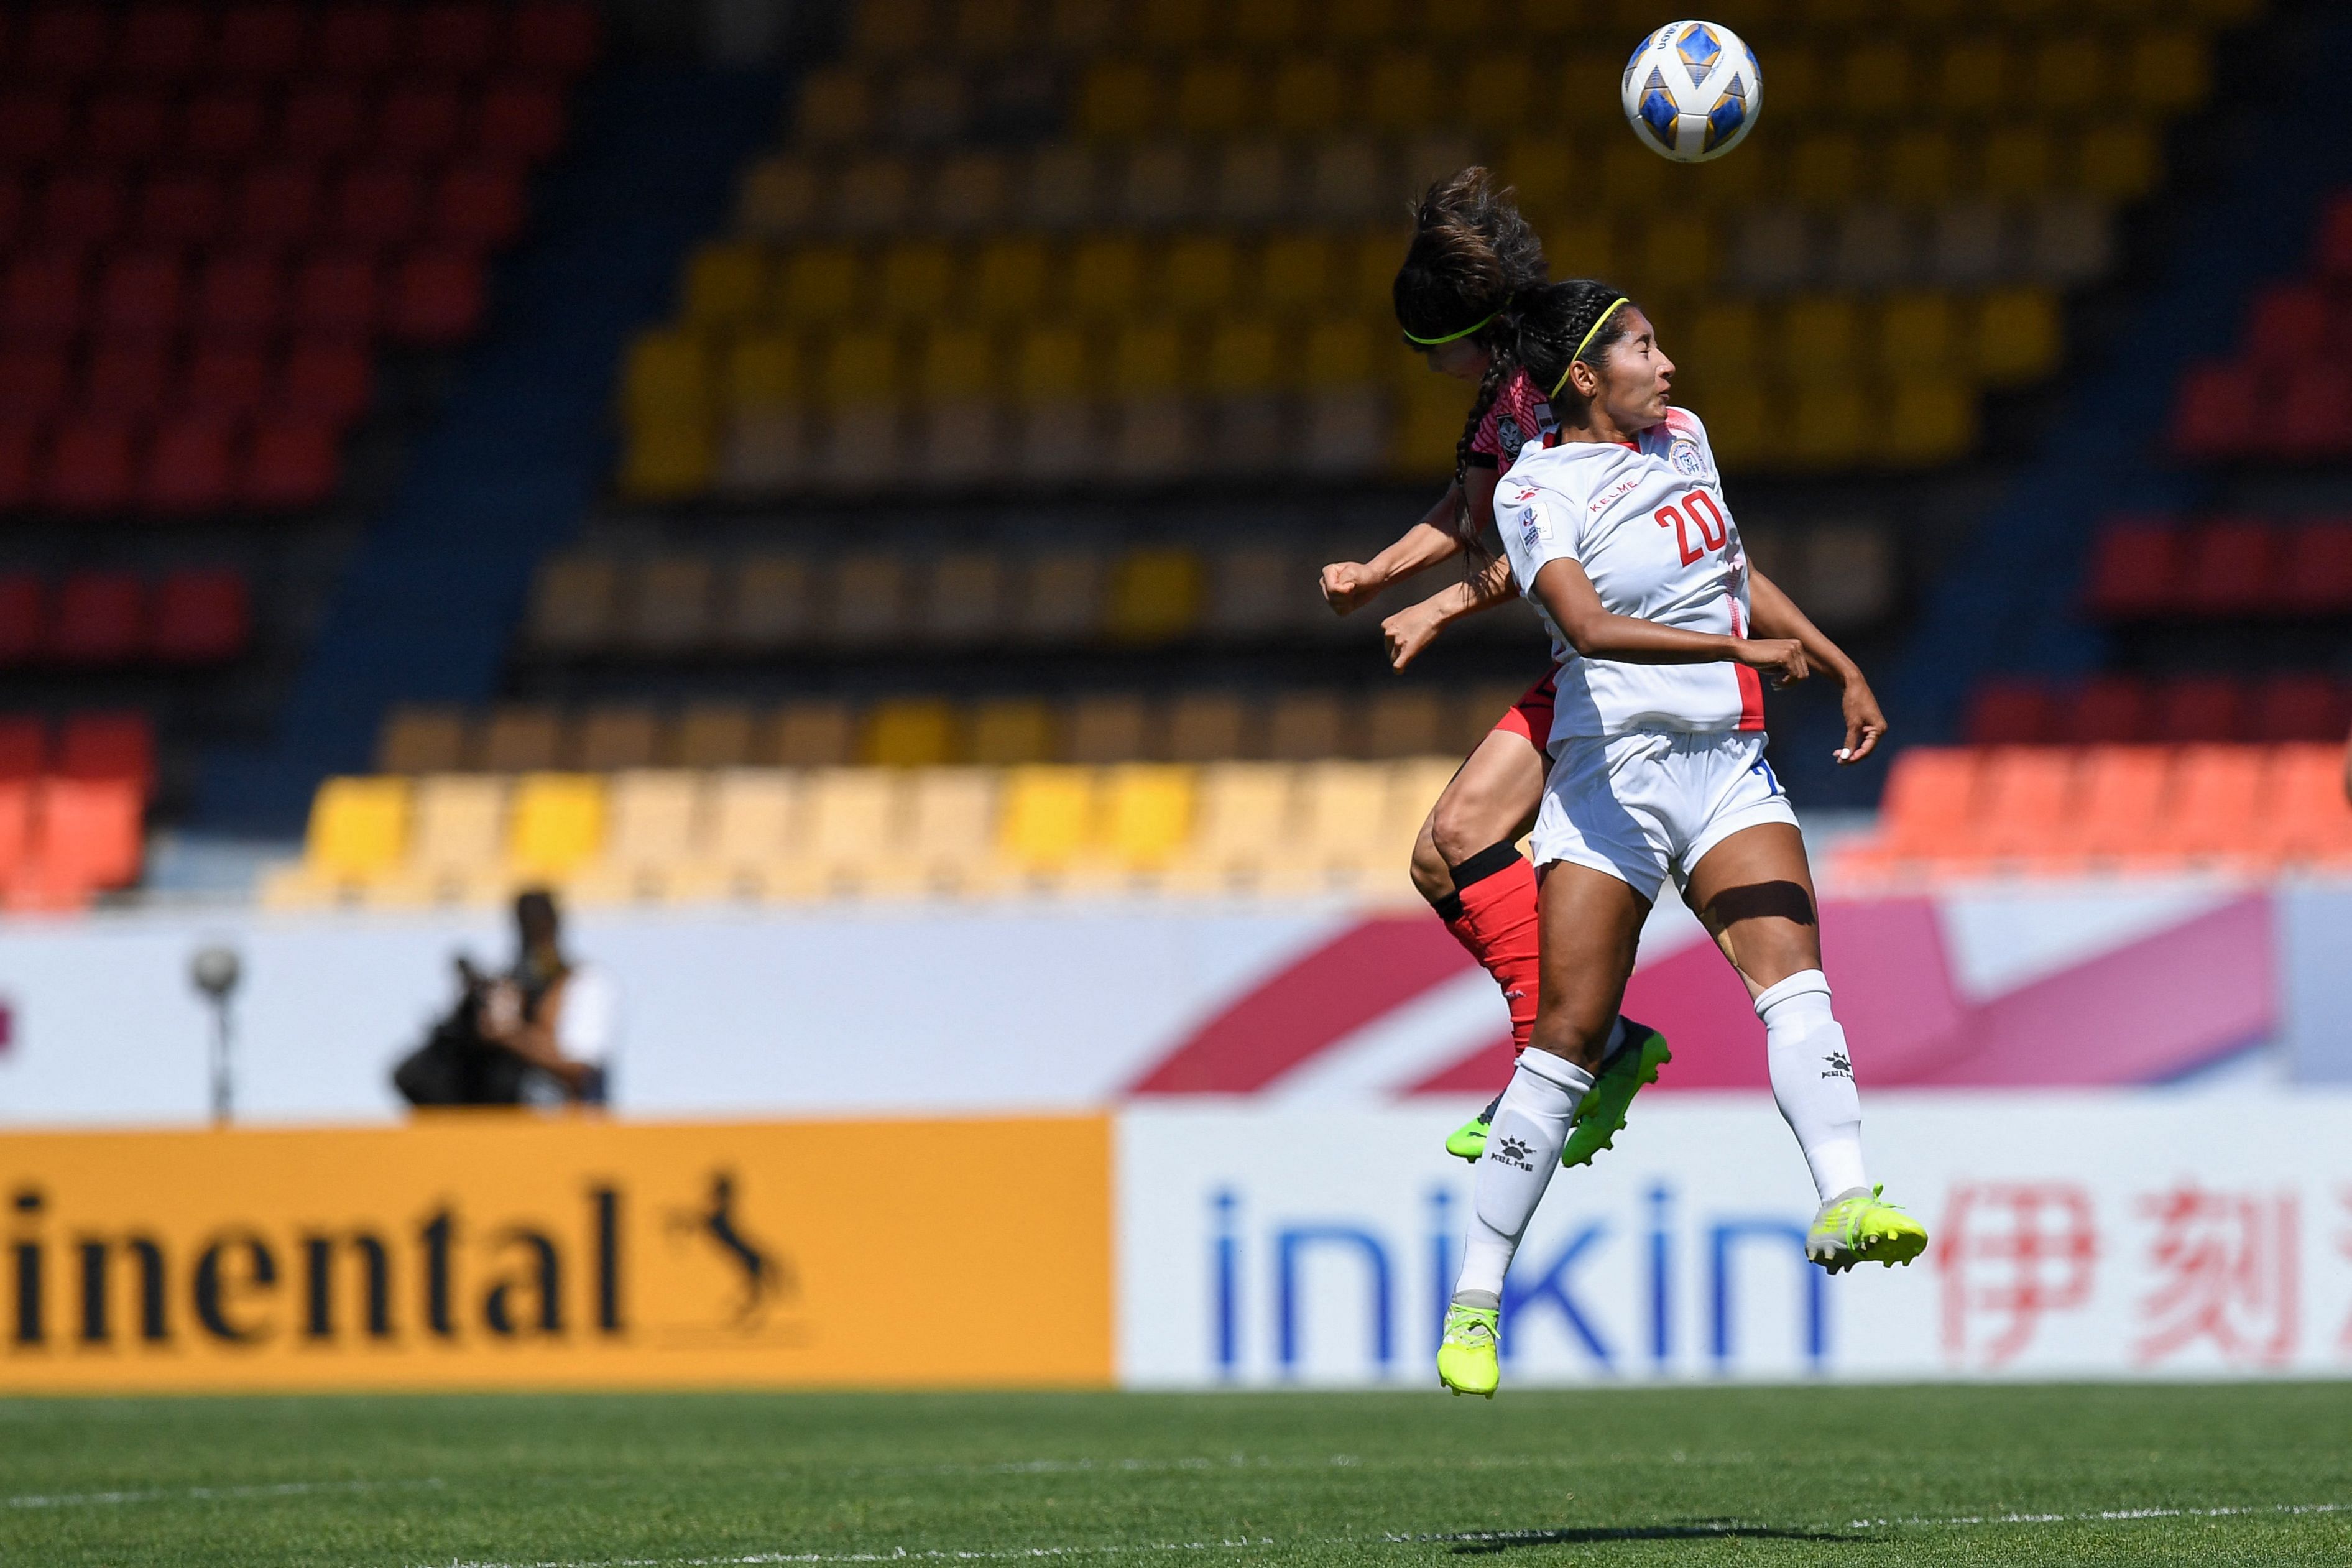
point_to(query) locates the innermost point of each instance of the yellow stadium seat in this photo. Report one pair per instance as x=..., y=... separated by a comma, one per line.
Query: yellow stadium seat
x=992, y=29
x=1306, y=726
x=1398, y=92
x=1155, y=596
x=669, y=457
x=1148, y=356
x=1496, y=99
x=573, y=599
x=1724, y=344
x=1310, y=94
x=2121, y=161
x=1739, y=424
x=1876, y=79
x=1335, y=840
x=1009, y=280
x=455, y=841
x=1267, y=24
x=727, y=284
x=1243, y=356
x=1208, y=726
x=519, y=738
x=1407, y=722
x=1119, y=100
x=1544, y=170
x=1821, y=339
x=667, y=377
x=1828, y=426
x=613, y=736
x=1250, y=182
x=2070, y=73
x=359, y=830
x=908, y=733
x=1105, y=728
x=1917, y=333
x=1295, y=273
x=1429, y=427
x=874, y=193
x=957, y=363
x=712, y=735
x=1368, y=281
x=2019, y=161
x=1050, y=364
x=654, y=828
x=970, y=191
x=1928, y=420
x=2017, y=336
x=1173, y=27
x=918, y=280
x=834, y=108
x=1825, y=169
x=1581, y=244
x=1677, y=253
x=1341, y=354
x=859, y=366
x=555, y=825
x=1048, y=821
x=810, y=733
x=1216, y=98
x=1361, y=21
x=848, y=820
x=762, y=371
x=818, y=286
x=421, y=740
x=1458, y=21
x=781, y=197
x=1007, y=731
x=1106, y=279
x=746, y=837
x=1920, y=165
x=1147, y=816
x=949, y=841
x=1972, y=76
x=2170, y=70
x=1200, y=274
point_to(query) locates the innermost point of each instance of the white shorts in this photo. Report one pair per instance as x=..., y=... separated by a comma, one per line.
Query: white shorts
x=1647, y=805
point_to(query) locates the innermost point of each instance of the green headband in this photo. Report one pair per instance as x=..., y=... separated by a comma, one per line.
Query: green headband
x=1433, y=342
x=1587, y=343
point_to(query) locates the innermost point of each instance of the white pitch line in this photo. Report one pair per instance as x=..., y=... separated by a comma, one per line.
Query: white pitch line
x=162, y=1494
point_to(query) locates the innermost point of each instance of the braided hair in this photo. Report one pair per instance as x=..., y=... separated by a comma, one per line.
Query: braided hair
x=1473, y=254
x=1554, y=327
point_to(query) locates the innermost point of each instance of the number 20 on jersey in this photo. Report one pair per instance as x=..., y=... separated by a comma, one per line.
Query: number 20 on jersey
x=1698, y=509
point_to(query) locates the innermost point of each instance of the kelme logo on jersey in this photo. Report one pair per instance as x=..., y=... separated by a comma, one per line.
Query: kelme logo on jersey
x=1684, y=456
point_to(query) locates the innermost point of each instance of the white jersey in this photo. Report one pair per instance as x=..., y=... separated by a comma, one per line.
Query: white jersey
x=1648, y=524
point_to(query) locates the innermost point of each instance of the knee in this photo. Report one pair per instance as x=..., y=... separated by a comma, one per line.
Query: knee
x=1459, y=828
x=1433, y=879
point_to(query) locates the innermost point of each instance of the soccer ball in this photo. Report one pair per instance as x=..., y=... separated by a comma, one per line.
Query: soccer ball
x=1692, y=89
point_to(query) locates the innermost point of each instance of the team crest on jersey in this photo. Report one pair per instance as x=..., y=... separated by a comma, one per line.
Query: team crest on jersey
x=1509, y=438
x=1684, y=456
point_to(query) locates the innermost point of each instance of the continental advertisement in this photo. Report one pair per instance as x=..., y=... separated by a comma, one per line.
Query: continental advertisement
x=496, y=1251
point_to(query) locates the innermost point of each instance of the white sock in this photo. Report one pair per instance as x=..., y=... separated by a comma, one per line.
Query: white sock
x=1522, y=1151
x=1812, y=1080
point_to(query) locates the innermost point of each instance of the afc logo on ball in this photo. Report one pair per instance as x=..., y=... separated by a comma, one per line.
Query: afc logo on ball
x=1684, y=456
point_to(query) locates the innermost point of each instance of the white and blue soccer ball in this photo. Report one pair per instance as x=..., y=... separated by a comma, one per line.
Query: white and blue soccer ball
x=1692, y=89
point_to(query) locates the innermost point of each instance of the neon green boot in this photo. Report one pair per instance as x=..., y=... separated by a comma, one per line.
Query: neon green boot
x=1602, y=1115
x=1856, y=1228
x=1465, y=1355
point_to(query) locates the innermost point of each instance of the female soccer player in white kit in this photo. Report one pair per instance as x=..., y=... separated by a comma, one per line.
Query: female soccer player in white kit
x=1617, y=531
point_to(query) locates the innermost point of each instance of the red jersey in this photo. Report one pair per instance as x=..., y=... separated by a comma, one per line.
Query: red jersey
x=1519, y=414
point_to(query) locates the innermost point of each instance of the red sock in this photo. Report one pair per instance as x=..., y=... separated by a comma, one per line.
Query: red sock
x=1493, y=917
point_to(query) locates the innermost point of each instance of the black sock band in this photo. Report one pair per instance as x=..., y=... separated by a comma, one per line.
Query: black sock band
x=1485, y=863
x=1448, y=907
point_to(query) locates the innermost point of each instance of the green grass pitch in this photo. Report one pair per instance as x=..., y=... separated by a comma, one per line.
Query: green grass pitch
x=2207, y=1474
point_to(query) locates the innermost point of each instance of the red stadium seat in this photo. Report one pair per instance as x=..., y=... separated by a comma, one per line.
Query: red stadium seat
x=453, y=39
x=138, y=295
x=191, y=466
x=88, y=840
x=437, y=298
x=291, y=464
x=101, y=618
x=182, y=208
x=420, y=122
x=164, y=41
x=17, y=803
x=2217, y=411
x=2315, y=420
x=2318, y=577
x=80, y=207
x=24, y=745
x=379, y=206
x=326, y=382
x=2231, y=568
x=2124, y=789
x=131, y=125
x=2289, y=322
x=2136, y=569
x=322, y=123
x=2334, y=257
x=23, y=632
x=559, y=37
x=126, y=383
x=12, y=210
x=276, y=203
x=90, y=466
x=66, y=42
x=201, y=617
x=477, y=206
x=35, y=126
x=225, y=382
x=2111, y=710
x=20, y=447
x=2303, y=815
x=336, y=293
x=2028, y=795
x=119, y=746
x=358, y=41
x=2012, y=713
x=2204, y=708
x=33, y=383
x=2301, y=707
x=240, y=295
x=262, y=42
x=225, y=128
x=520, y=119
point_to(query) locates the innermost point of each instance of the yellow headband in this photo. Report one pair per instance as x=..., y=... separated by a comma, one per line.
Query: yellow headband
x=1433, y=342
x=1597, y=324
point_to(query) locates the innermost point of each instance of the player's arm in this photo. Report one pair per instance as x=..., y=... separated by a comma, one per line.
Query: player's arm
x=1415, y=627
x=1349, y=585
x=1568, y=595
x=1776, y=616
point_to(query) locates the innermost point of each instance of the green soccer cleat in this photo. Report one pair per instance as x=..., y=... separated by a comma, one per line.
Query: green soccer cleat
x=1855, y=1227
x=1465, y=1355
x=1602, y=1115
x=1468, y=1141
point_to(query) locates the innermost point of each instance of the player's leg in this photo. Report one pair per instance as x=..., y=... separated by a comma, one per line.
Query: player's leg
x=1754, y=890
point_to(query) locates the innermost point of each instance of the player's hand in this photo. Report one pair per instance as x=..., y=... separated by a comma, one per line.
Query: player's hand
x=1783, y=658
x=1863, y=723
x=1409, y=631
x=1347, y=584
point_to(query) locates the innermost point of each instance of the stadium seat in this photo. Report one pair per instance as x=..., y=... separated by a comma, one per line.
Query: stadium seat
x=358, y=833
x=2200, y=710
x=2136, y=569
x=201, y=617
x=1008, y=731
x=752, y=829
x=1146, y=817
x=949, y=841
x=290, y=465
x=24, y=620
x=376, y=205
x=1048, y=821
x=810, y=733
x=2111, y=710
x=41, y=299
x=100, y=620
x=326, y=379
x=277, y=205
x=1102, y=730
x=120, y=746
x=457, y=840
x=1241, y=817
x=358, y=42
x=2028, y=799
x=849, y=818
x=262, y=41
x=422, y=741
x=2316, y=576
x=2304, y=817
x=519, y=738
x=668, y=612
x=908, y=733
x=1155, y=596
x=180, y=208
x=2218, y=412
x=555, y=37
x=613, y=737
x=573, y=604
x=24, y=747
x=519, y=120
x=710, y=735
x=2217, y=803
x=2301, y=707
x=1334, y=843
x=654, y=820
x=2231, y=567
x=89, y=840
x=1930, y=805
x=239, y=295
x=555, y=825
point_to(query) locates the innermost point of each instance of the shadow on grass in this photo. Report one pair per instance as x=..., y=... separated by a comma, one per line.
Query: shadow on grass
x=1486, y=1542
